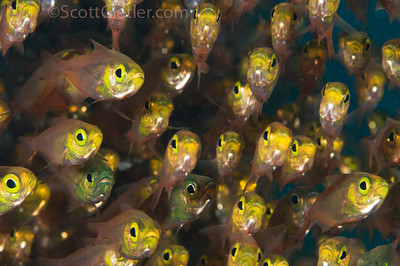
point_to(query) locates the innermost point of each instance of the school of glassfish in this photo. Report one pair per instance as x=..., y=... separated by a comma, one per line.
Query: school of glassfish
x=210, y=139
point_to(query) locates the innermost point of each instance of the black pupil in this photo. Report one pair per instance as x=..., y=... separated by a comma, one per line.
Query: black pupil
x=295, y=200
x=220, y=142
x=133, y=232
x=323, y=91
x=363, y=185
x=391, y=136
x=190, y=189
x=367, y=46
x=194, y=14
x=203, y=261
x=233, y=252
x=146, y=105
x=174, y=65
x=294, y=147
x=272, y=13
x=12, y=233
x=14, y=5
x=79, y=137
x=219, y=16
x=265, y=263
x=166, y=256
x=268, y=211
x=118, y=72
x=273, y=62
x=305, y=51
x=89, y=178
x=319, y=141
x=265, y=136
x=259, y=257
x=240, y=205
x=346, y=99
x=173, y=144
x=11, y=183
x=343, y=256
x=294, y=16
x=363, y=76
x=236, y=89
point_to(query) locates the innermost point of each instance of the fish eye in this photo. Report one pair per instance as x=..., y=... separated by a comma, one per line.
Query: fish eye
x=234, y=251
x=220, y=142
x=363, y=76
x=391, y=136
x=89, y=178
x=346, y=98
x=295, y=199
x=174, y=143
x=295, y=148
x=364, y=185
x=343, y=254
x=12, y=233
x=294, y=16
x=11, y=183
x=258, y=255
x=80, y=136
x=273, y=61
x=219, y=17
x=147, y=105
x=191, y=189
x=203, y=259
x=240, y=205
x=267, y=262
x=367, y=45
x=167, y=256
x=323, y=90
x=14, y=5
x=319, y=141
x=195, y=14
x=266, y=133
x=236, y=89
x=268, y=211
x=306, y=48
x=120, y=73
x=272, y=12
x=134, y=231
x=174, y=63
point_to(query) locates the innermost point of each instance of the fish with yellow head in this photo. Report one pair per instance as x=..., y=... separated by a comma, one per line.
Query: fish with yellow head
x=17, y=183
x=241, y=103
x=355, y=50
x=229, y=151
x=244, y=251
x=381, y=255
x=101, y=75
x=273, y=260
x=263, y=73
x=391, y=60
x=204, y=30
x=169, y=254
x=133, y=231
x=18, y=246
x=247, y=213
x=272, y=148
x=340, y=251
x=18, y=18
x=68, y=142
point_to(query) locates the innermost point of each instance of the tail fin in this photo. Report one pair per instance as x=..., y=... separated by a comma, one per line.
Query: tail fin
x=30, y=149
x=50, y=65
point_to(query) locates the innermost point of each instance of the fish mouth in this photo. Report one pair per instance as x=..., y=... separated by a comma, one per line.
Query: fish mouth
x=247, y=260
x=149, y=245
x=326, y=256
x=135, y=83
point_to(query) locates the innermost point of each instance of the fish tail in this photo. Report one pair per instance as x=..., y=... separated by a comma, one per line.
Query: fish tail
x=30, y=149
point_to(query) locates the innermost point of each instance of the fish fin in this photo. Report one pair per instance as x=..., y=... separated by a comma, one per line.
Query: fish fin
x=74, y=205
x=338, y=21
x=19, y=46
x=57, y=120
x=177, y=128
x=88, y=241
x=155, y=198
x=330, y=179
x=152, y=148
x=50, y=65
x=123, y=115
x=28, y=142
x=97, y=46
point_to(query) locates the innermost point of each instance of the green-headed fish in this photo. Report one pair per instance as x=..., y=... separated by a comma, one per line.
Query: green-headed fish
x=133, y=231
x=381, y=255
x=103, y=74
x=169, y=254
x=229, y=151
x=244, y=251
x=247, y=213
x=339, y=251
x=272, y=148
x=391, y=60
x=299, y=160
x=263, y=73
x=190, y=199
x=68, y=142
x=204, y=30
x=17, y=183
x=151, y=120
x=347, y=199
x=18, y=18
x=17, y=248
x=273, y=260
x=355, y=50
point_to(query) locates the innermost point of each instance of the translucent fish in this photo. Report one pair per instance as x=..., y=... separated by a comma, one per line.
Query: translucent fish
x=244, y=251
x=228, y=153
x=241, y=104
x=392, y=7
x=134, y=232
x=273, y=260
x=338, y=251
x=355, y=50
x=17, y=183
x=18, y=246
x=18, y=19
x=68, y=142
x=381, y=255
x=101, y=75
x=263, y=73
x=247, y=213
x=391, y=60
x=204, y=30
x=169, y=254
